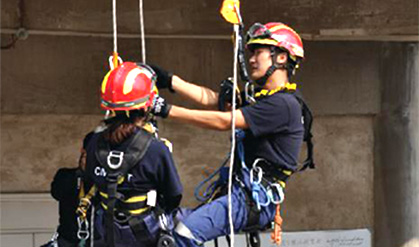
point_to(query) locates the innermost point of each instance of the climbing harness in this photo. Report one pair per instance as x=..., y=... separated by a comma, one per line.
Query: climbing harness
x=128, y=206
x=117, y=163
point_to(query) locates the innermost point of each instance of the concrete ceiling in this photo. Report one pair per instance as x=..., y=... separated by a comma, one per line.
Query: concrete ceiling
x=201, y=17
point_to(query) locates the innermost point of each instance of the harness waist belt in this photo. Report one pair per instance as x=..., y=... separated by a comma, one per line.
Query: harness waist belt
x=135, y=205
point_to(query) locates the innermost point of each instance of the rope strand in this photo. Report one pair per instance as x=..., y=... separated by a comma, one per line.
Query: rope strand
x=233, y=136
x=115, y=44
x=142, y=30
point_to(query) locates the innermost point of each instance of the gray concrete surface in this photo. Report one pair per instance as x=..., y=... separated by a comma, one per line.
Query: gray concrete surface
x=397, y=173
x=329, y=17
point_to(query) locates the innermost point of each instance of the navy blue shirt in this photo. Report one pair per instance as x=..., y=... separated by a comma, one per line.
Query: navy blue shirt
x=155, y=171
x=275, y=130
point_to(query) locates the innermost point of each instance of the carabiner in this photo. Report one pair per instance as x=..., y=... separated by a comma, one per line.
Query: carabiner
x=278, y=188
x=259, y=172
x=83, y=234
x=111, y=63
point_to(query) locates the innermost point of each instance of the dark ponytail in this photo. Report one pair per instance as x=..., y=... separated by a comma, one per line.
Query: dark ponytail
x=122, y=126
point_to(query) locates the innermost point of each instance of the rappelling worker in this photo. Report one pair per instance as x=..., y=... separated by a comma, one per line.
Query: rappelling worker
x=269, y=141
x=67, y=187
x=134, y=172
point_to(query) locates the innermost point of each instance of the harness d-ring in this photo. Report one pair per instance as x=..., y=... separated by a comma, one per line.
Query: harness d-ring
x=115, y=154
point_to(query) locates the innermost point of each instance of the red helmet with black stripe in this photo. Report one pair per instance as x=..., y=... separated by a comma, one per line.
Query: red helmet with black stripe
x=276, y=34
x=129, y=86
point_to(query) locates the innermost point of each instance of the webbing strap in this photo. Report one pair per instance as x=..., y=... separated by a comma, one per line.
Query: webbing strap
x=138, y=228
x=253, y=213
x=308, y=122
x=112, y=185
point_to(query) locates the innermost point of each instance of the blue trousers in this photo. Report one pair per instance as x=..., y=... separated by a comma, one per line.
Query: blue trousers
x=123, y=234
x=211, y=220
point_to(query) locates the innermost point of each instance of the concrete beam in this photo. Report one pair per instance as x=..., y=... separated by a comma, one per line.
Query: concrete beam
x=396, y=168
x=191, y=17
x=325, y=35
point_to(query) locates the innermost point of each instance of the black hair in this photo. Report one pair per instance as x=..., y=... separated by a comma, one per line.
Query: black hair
x=122, y=125
x=291, y=63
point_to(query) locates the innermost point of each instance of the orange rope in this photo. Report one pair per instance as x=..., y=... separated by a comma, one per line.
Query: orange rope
x=276, y=235
x=115, y=59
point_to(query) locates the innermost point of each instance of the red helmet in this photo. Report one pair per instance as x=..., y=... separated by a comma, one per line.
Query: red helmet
x=129, y=86
x=276, y=34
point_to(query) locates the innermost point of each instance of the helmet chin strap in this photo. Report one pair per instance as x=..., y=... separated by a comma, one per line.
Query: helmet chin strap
x=262, y=81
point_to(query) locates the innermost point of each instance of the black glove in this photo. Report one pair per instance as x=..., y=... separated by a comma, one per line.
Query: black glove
x=225, y=95
x=164, y=78
x=161, y=108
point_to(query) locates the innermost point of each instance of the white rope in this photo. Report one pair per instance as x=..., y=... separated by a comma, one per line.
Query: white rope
x=92, y=225
x=233, y=136
x=115, y=44
x=142, y=30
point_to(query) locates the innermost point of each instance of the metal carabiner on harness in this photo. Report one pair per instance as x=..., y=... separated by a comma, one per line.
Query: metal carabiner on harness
x=257, y=186
x=83, y=232
x=259, y=174
x=250, y=98
x=278, y=188
x=115, y=155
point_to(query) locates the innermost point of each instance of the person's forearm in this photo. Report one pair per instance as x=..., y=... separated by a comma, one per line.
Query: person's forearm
x=200, y=95
x=207, y=119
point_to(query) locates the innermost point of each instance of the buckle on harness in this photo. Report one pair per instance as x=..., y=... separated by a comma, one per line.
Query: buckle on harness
x=115, y=155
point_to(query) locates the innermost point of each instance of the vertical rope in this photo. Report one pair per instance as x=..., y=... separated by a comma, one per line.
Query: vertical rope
x=114, y=63
x=233, y=135
x=142, y=30
x=92, y=225
x=115, y=44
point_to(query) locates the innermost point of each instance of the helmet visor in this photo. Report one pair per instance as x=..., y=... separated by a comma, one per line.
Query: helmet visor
x=258, y=31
